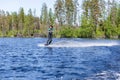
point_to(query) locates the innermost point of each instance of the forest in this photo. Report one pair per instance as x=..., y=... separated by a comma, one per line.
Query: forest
x=92, y=19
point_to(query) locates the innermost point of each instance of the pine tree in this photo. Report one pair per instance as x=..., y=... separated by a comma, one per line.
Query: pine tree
x=21, y=19
x=60, y=11
x=110, y=24
x=94, y=12
x=118, y=16
x=44, y=14
x=44, y=19
x=3, y=23
x=76, y=5
x=118, y=21
x=15, y=21
x=69, y=7
x=9, y=20
x=29, y=24
x=51, y=17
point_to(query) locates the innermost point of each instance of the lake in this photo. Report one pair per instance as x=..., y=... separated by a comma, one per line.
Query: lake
x=64, y=59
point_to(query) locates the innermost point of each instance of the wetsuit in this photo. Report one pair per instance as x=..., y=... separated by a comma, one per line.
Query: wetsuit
x=50, y=31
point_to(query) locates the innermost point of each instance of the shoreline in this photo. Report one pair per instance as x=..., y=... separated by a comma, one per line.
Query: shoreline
x=68, y=38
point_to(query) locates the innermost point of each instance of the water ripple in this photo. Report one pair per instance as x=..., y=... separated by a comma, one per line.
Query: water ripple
x=22, y=59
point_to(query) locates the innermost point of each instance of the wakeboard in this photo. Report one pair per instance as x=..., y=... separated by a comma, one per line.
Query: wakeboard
x=46, y=45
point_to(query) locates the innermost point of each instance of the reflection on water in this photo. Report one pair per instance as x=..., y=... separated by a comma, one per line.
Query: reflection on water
x=22, y=59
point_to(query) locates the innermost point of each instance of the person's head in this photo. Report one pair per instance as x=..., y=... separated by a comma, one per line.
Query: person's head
x=51, y=26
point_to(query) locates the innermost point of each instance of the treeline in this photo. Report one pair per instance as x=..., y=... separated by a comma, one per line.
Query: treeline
x=18, y=24
x=101, y=18
x=98, y=18
x=92, y=19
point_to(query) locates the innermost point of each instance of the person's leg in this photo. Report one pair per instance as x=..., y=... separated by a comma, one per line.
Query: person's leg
x=50, y=38
x=50, y=41
x=47, y=42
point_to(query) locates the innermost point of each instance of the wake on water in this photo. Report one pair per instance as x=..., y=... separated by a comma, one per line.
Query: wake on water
x=79, y=44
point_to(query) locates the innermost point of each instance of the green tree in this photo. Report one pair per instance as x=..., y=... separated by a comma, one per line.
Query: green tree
x=118, y=16
x=9, y=20
x=118, y=21
x=76, y=5
x=110, y=23
x=44, y=19
x=3, y=23
x=15, y=21
x=21, y=19
x=51, y=17
x=60, y=11
x=11, y=27
x=93, y=11
x=29, y=24
x=44, y=14
x=69, y=7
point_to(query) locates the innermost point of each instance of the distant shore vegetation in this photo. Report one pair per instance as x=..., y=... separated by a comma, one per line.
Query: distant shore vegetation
x=92, y=19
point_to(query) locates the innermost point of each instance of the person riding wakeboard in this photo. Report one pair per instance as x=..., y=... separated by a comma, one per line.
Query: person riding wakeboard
x=50, y=34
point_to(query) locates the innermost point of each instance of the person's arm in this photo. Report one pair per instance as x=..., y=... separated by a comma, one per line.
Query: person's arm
x=50, y=29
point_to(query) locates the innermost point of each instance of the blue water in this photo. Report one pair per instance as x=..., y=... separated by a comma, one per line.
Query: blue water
x=23, y=59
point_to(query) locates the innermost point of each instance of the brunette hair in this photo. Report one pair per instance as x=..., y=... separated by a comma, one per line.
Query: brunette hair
x=51, y=26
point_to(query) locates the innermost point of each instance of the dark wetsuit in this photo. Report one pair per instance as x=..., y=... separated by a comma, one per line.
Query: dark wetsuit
x=50, y=31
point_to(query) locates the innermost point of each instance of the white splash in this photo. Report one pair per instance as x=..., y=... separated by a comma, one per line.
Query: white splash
x=105, y=75
x=79, y=44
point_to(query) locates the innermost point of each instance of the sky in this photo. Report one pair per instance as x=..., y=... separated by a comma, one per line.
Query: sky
x=14, y=5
